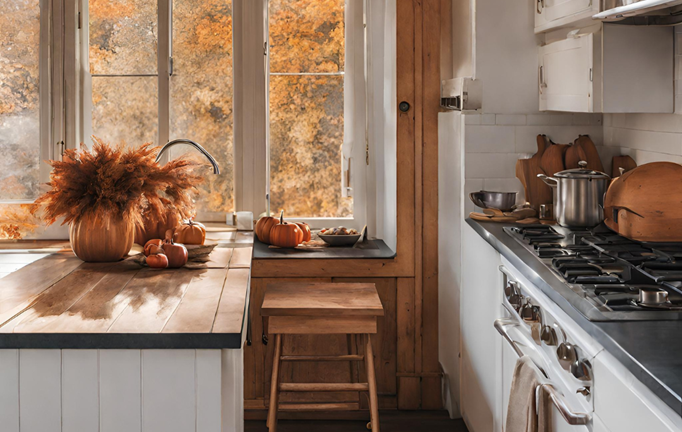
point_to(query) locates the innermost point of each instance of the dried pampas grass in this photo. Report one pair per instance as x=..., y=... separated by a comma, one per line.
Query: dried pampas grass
x=119, y=182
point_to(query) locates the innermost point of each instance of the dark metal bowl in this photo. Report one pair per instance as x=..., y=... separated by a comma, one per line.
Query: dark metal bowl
x=499, y=200
x=340, y=240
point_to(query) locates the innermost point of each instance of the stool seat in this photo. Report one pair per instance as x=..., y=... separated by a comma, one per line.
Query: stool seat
x=322, y=308
x=321, y=299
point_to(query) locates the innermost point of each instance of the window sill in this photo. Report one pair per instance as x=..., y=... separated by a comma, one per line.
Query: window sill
x=263, y=251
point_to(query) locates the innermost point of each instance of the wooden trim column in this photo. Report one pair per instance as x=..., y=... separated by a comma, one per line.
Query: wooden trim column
x=418, y=74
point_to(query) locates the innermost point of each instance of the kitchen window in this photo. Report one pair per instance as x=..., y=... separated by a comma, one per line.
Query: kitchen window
x=151, y=71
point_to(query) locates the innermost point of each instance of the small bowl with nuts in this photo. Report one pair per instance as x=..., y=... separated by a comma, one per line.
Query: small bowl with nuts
x=340, y=236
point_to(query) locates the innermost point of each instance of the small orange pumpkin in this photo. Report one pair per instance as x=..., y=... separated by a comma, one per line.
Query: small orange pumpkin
x=285, y=234
x=305, y=228
x=191, y=233
x=263, y=227
x=155, y=229
x=157, y=260
x=152, y=246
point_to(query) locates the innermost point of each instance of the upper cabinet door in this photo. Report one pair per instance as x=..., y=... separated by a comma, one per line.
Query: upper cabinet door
x=552, y=14
x=565, y=75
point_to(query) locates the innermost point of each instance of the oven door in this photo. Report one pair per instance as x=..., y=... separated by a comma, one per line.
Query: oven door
x=564, y=417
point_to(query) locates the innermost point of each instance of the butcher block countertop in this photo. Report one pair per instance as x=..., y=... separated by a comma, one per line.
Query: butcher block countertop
x=62, y=302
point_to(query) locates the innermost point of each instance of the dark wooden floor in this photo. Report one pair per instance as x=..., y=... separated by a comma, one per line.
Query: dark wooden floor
x=391, y=421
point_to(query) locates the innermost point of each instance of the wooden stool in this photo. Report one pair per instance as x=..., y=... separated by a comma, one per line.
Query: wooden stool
x=322, y=308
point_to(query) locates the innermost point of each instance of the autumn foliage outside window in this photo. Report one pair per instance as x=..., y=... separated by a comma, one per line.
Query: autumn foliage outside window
x=19, y=99
x=307, y=51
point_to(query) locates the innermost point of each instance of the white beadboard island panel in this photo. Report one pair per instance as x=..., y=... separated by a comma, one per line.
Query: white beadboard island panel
x=127, y=390
x=168, y=391
x=9, y=390
x=40, y=408
x=80, y=390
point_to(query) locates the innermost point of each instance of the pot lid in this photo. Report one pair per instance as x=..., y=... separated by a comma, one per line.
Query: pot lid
x=582, y=173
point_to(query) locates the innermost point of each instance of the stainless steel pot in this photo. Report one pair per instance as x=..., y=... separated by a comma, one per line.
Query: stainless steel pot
x=578, y=196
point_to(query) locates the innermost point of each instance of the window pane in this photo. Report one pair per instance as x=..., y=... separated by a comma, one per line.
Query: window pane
x=306, y=35
x=201, y=90
x=306, y=135
x=125, y=109
x=19, y=95
x=123, y=37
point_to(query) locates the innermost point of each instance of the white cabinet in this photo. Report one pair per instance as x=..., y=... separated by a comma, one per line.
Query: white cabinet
x=553, y=14
x=612, y=69
x=481, y=299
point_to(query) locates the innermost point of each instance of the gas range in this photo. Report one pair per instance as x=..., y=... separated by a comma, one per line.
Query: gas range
x=620, y=278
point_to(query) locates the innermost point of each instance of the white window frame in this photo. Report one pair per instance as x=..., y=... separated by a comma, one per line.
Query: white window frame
x=354, y=156
x=250, y=101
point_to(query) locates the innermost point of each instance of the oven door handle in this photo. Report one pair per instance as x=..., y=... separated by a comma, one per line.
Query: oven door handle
x=572, y=418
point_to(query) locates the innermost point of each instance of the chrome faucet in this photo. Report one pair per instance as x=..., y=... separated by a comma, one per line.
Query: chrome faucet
x=216, y=169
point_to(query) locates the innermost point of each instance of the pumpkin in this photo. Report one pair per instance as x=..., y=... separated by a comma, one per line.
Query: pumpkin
x=285, y=234
x=152, y=246
x=305, y=228
x=157, y=260
x=155, y=229
x=263, y=227
x=96, y=238
x=176, y=253
x=190, y=232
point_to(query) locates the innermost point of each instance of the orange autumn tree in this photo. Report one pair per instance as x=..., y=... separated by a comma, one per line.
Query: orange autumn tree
x=306, y=111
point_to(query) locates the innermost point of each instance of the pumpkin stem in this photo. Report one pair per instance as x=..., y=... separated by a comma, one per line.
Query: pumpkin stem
x=281, y=217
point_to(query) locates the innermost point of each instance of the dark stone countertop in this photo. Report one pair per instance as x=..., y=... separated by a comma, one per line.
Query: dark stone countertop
x=651, y=350
x=379, y=250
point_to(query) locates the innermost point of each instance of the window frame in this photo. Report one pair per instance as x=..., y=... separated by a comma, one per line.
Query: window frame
x=355, y=140
x=250, y=101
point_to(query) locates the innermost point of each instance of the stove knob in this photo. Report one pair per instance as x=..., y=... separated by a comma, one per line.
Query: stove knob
x=585, y=391
x=582, y=370
x=548, y=336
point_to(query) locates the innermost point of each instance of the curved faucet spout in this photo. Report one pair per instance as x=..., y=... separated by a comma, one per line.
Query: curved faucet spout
x=169, y=144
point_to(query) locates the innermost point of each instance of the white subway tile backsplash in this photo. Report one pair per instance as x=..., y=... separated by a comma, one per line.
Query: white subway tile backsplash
x=490, y=165
x=487, y=119
x=472, y=119
x=489, y=139
x=660, y=142
x=549, y=119
x=510, y=119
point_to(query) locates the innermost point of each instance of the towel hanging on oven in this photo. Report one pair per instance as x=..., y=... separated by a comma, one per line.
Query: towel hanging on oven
x=529, y=405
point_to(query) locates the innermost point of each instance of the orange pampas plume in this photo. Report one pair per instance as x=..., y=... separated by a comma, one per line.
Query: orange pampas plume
x=119, y=182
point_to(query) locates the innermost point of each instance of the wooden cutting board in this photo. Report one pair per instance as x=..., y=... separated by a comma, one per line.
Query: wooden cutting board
x=553, y=158
x=574, y=154
x=527, y=170
x=591, y=154
x=625, y=162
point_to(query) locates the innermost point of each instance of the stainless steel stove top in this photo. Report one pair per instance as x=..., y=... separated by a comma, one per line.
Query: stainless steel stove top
x=620, y=278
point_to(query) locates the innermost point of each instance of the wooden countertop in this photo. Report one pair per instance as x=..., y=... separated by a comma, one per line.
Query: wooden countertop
x=62, y=302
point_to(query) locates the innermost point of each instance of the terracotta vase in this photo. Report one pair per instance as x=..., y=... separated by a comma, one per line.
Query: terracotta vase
x=101, y=239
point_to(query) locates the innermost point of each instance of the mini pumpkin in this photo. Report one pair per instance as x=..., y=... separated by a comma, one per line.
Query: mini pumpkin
x=305, y=228
x=157, y=260
x=190, y=232
x=263, y=227
x=285, y=234
x=152, y=246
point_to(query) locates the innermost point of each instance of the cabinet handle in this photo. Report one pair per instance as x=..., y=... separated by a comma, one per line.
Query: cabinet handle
x=540, y=5
x=541, y=76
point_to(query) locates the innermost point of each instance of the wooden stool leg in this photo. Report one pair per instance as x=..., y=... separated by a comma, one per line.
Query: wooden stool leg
x=371, y=380
x=274, y=384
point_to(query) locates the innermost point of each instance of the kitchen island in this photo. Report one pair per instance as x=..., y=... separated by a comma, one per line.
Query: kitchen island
x=120, y=347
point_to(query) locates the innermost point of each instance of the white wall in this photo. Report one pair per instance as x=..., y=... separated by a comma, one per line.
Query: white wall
x=450, y=184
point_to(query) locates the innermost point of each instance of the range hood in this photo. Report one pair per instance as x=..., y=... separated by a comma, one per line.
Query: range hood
x=634, y=9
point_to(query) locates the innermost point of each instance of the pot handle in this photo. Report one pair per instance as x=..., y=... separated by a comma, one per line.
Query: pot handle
x=549, y=181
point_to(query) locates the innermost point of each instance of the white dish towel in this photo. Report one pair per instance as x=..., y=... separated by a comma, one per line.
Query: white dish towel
x=526, y=412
